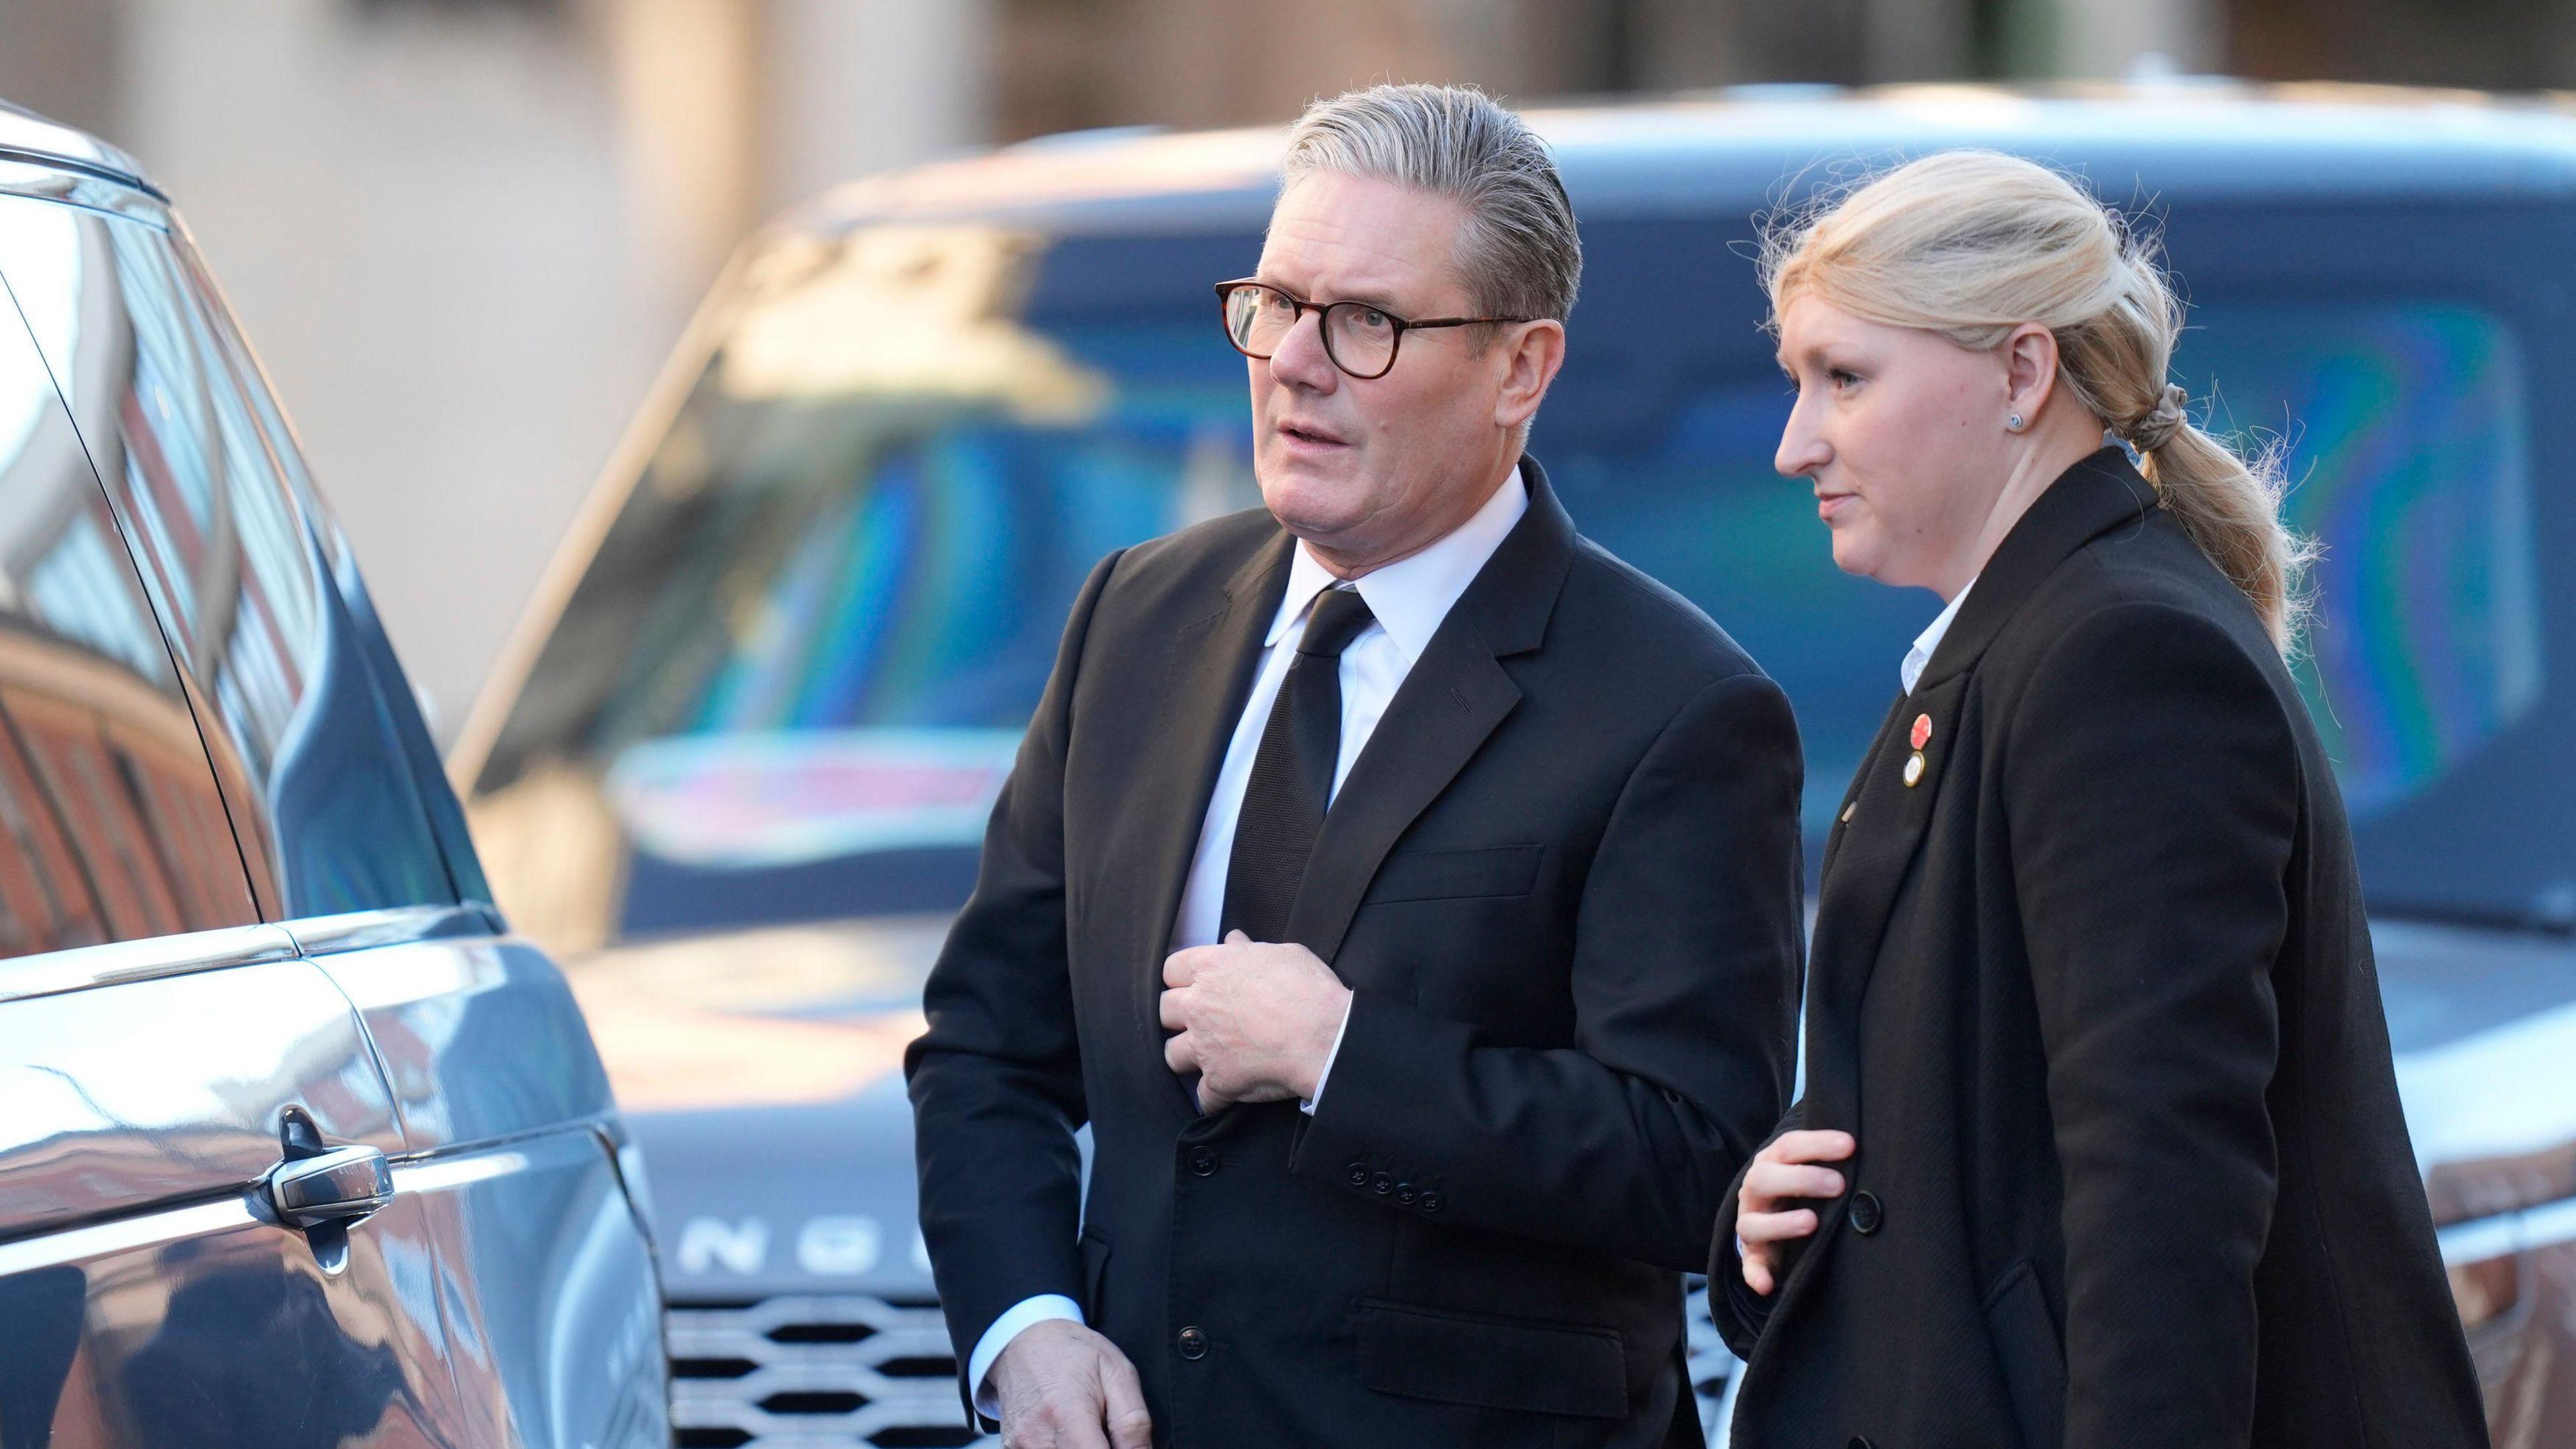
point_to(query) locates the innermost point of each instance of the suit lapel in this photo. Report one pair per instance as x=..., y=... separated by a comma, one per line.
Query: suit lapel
x=1453, y=698
x=1211, y=669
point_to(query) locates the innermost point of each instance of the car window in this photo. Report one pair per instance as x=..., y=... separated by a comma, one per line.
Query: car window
x=111, y=825
x=326, y=804
x=809, y=638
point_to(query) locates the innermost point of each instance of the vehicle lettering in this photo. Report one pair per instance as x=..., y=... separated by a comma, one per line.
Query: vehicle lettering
x=838, y=1245
x=709, y=1243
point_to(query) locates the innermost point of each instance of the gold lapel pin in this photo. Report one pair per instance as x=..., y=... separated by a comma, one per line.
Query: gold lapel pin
x=1914, y=770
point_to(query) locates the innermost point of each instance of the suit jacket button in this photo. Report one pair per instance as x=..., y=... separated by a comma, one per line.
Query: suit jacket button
x=1857, y=1442
x=1404, y=1193
x=1866, y=1213
x=1382, y=1184
x=1359, y=1174
x=1431, y=1202
x=1194, y=1342
x=1203, y=1161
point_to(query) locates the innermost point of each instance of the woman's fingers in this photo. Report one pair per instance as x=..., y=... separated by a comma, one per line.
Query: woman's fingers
x=1820, y=1146
x=1766, y=1183
x=1758, y=1228
x=1781, y=1171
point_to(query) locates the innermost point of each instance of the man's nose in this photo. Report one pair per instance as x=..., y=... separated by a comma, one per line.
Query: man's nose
x=1300, y=360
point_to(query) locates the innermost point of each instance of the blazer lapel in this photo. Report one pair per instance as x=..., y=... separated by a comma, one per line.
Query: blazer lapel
x=1457, y=692
x=1874, y=849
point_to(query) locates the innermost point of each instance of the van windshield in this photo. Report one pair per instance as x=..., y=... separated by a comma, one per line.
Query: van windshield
x=792, y=676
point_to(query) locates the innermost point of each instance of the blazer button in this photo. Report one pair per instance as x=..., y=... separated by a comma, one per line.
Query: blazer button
x=1194, y=1342
x=1404, y=1193
x=1359, y=1174
x=1866, y=1213
x=1203, y=1161
x=1382, y=1184
x=1431, y=1202
x=1857, y=1442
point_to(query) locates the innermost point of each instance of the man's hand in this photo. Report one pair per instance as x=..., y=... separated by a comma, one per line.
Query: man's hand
x=1256, y=1021
x=1063, y=1386
x=1782, y=1173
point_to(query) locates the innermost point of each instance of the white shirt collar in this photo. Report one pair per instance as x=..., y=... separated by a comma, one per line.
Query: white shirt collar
x=1918, y=657
x=1411, y=596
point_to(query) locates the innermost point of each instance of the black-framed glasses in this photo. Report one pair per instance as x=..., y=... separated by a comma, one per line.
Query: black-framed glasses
x=1361, y=339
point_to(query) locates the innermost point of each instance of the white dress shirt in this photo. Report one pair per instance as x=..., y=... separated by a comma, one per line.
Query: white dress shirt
x=1920, y=655
x=1409, y=598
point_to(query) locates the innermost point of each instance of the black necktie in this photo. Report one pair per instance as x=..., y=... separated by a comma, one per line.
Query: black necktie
x=1292, y=774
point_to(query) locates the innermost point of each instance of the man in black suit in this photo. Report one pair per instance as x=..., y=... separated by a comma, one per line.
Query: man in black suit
x=1536, y=811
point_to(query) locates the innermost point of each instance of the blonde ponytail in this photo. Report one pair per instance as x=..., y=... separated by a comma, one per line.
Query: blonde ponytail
x=1970, y=245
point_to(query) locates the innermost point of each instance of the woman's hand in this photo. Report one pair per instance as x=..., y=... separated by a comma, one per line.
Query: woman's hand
x=1783, y=1173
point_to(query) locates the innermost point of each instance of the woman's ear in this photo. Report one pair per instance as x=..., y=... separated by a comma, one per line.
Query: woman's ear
x=2030, y=371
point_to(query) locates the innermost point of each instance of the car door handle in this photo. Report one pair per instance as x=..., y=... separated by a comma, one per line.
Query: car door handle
x=337, y=1186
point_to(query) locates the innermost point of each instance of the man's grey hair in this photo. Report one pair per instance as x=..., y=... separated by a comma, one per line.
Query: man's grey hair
x=1519, y=255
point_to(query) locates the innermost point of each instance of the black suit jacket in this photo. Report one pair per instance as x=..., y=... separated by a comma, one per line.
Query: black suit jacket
x=1562, y=880
x=2096, y=996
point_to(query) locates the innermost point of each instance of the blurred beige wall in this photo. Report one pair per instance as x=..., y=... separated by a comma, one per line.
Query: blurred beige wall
x=463, y=235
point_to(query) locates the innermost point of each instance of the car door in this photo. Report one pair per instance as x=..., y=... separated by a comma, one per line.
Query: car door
x=353, y=844
x=196, y=1245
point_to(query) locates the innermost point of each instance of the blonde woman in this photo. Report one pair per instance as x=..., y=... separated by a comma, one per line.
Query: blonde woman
x=2100, y=1143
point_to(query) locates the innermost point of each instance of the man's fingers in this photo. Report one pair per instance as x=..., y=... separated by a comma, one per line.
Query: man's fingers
x=1757, y=1271
x=1130, y=1427
x=1775, y=1227
x=1181, y=1054
x=1826, y=1146
x=1768, y=1182
x=1175, y=1008
x=1182, y=967
x=1236, y=937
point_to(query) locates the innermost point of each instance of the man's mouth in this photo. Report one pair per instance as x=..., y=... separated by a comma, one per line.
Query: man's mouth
x=1310, y=434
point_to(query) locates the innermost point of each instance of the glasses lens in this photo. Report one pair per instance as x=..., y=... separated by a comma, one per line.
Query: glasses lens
x=1256, y=318
x=1362, y=338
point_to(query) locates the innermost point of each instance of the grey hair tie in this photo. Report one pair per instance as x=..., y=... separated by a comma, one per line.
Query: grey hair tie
x=2157, y=428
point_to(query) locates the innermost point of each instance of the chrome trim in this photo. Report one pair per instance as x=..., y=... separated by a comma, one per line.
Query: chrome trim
x=42, y=178
x=399, y=926
x=24, y=133
x=343, y=1183
x=74, y=1245
x=147, y=958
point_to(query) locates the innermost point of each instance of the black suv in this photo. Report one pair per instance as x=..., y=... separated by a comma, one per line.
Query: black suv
x=298, y=1146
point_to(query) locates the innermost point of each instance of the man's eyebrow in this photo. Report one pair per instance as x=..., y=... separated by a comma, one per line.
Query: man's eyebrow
x=1367, y=296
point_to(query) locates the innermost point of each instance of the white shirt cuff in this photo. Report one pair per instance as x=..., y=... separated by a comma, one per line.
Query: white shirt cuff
x=1308, y=1106
x=1018, y=1316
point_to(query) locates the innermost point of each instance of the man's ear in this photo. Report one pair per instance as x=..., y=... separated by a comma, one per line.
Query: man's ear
x=1533, y=351
x=2030, y=370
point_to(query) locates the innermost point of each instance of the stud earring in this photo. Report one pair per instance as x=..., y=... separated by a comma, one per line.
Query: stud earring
x=2013, y=423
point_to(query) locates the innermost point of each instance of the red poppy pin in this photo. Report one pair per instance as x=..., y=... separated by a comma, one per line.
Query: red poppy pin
x=1922, y=730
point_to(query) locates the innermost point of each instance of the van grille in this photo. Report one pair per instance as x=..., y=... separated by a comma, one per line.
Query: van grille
x=843, y=1371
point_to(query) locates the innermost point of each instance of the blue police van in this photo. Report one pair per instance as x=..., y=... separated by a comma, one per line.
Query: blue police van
x=736, y=765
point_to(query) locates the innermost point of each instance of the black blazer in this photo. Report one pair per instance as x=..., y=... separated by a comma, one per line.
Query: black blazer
x=2096, y=996
x=1563, y=880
